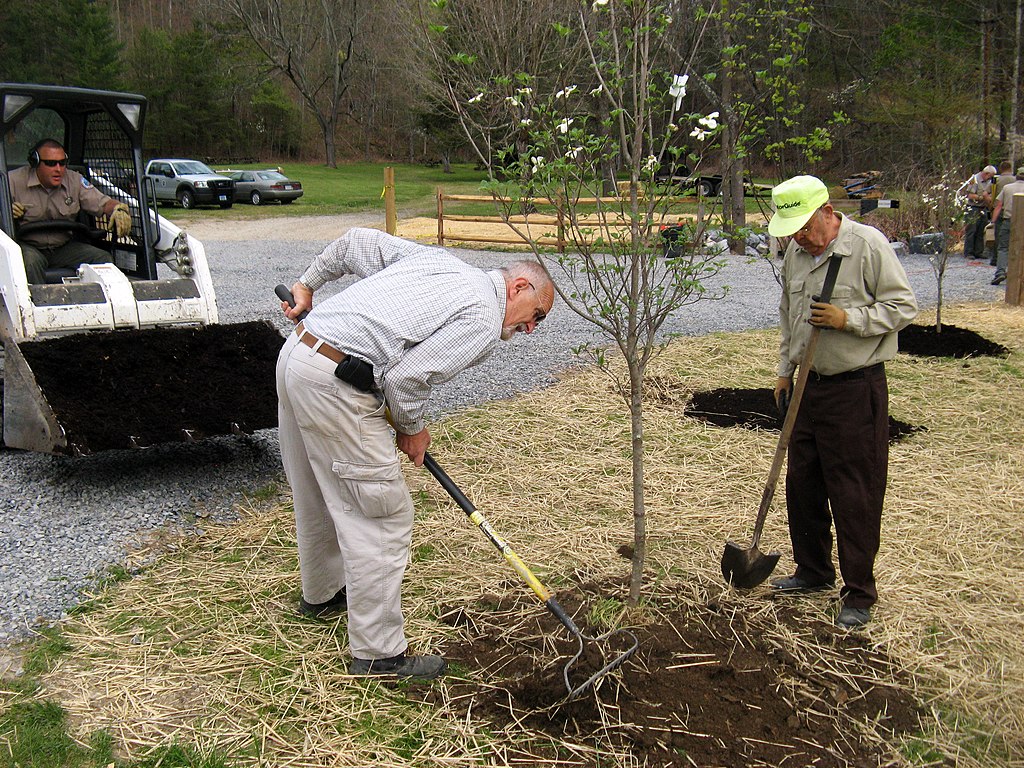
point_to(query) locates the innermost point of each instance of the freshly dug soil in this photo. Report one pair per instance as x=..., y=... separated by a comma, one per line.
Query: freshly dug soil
x=124, y=389
x=755, y=409
x=924, y=341
x=708, y=686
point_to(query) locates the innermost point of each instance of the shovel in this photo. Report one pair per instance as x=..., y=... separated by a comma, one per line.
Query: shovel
x=746, y=568
x=619, y=637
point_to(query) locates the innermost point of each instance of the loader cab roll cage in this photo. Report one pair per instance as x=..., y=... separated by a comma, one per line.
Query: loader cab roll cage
x=102, y=134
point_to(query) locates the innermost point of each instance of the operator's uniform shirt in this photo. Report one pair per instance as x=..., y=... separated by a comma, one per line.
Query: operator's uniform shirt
x=419, y=316
x=839, y=450
x=74, y=194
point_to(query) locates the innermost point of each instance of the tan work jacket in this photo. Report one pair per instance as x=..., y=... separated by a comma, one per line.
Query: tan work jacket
x=871, y=286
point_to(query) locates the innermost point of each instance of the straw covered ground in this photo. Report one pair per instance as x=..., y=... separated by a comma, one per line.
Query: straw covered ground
x=204, y=647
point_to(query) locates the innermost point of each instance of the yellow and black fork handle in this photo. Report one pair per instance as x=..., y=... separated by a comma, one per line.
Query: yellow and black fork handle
x=542, y=592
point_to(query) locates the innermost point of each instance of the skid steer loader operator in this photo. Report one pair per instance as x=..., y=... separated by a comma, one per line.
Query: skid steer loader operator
x=46, y=190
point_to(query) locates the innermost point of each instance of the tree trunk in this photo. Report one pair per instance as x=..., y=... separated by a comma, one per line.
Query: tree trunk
x=636, y=578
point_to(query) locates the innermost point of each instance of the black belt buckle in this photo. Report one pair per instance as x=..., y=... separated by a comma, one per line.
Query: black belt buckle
x=356, y=372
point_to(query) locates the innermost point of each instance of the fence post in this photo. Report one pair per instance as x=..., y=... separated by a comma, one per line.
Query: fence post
x=561, y=228
x=1015, y=266
x=440, y=216
x=390, y=214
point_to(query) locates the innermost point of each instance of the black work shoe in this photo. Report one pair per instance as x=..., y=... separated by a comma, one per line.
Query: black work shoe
x=851, y=618
x=336, y=604
x=799, y=584
x=416, y=667
x=999, y=278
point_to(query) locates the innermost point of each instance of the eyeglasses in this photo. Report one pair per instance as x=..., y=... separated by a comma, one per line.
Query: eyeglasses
x=53, y=163
x=538, y=314
x=810, y=223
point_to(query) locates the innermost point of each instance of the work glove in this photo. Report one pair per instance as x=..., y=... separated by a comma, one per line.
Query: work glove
x=783, y=387
x=17, y=209
x=120, y=221
x=827, y=316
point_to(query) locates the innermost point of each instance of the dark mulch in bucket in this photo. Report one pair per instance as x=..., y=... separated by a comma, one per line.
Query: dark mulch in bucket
x=755, y=409
x=925, y=341
x=706, y=687
x=107, y=388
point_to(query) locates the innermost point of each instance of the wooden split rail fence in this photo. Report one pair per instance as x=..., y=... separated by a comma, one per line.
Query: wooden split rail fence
x=556, y=220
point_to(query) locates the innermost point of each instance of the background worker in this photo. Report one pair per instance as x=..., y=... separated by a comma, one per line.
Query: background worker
x=1004, y=177
x=978, y=192
x=839, y=449
x=47, y=190
x=416, y=318
x=1001, y=215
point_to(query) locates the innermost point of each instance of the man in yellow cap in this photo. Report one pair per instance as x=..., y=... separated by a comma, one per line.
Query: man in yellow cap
x=839, y=449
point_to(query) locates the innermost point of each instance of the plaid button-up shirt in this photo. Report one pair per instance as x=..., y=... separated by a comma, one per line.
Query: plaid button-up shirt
x=418, y=315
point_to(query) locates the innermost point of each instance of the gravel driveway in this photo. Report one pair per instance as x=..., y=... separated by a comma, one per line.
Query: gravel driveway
x=65, y=521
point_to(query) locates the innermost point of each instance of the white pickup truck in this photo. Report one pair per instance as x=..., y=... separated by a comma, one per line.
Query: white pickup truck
x=189, y=183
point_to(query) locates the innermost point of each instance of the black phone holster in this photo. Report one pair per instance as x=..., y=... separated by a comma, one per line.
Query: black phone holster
x=356, y=372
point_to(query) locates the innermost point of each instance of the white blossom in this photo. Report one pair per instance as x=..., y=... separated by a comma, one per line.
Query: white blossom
x=573, y=153
x=599, y=4
x=524, y=91
x=563, y=127
x=525, y=122
x=710, y=122
x=678, y=89
x=699, y=134
x=536, y=163
x=513, y=101
x=565, y=92
x=476, y=98
x=597, y=91
x=651, y=164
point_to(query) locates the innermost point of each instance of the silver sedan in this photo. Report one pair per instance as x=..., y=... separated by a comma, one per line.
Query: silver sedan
x=258, y=187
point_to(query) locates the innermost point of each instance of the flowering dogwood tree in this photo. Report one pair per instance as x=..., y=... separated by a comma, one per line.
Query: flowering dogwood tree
x=616, y=109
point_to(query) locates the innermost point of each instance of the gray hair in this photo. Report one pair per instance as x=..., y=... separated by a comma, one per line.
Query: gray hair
x=531, y=270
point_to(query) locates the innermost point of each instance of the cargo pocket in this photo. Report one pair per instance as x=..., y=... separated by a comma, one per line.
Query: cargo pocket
x=373, y=490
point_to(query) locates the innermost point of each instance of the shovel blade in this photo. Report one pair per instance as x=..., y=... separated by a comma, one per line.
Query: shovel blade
x=744, y=568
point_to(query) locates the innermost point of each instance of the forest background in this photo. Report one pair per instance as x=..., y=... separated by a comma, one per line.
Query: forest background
x=912, y=88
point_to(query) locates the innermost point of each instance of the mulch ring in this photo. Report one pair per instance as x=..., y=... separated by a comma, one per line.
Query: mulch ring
x=755, y=409
x=951, y=341
x=749, y=682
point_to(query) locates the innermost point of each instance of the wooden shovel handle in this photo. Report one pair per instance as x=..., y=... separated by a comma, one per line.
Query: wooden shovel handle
x=794, y=406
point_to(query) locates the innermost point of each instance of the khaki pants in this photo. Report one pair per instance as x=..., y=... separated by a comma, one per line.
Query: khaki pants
x=353, y=512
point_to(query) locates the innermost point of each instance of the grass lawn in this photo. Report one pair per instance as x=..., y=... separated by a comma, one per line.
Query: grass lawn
x=348, y=188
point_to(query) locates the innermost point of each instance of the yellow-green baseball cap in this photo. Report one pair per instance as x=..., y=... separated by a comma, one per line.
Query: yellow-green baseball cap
x=795, y=201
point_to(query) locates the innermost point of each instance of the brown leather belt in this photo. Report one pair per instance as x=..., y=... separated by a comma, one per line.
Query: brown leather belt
x=324, y=349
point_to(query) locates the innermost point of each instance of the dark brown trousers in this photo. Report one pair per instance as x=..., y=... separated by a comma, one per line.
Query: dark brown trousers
x=837, y=471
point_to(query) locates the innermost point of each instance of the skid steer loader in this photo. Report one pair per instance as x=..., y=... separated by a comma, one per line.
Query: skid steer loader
x=128, y=353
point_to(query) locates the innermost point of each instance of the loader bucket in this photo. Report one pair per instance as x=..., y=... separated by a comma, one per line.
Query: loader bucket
x=92, y=392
